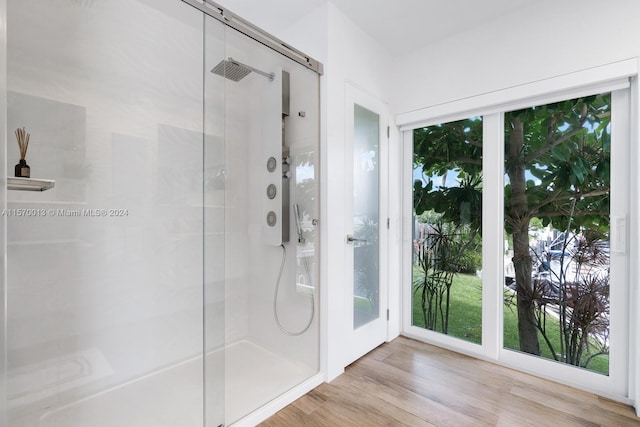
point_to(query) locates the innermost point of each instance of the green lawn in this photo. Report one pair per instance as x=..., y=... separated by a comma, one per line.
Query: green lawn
x=465, y=320
x=598, y=364
x=465, y=313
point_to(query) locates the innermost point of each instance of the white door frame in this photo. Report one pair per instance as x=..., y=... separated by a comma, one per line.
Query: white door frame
x=365, y=338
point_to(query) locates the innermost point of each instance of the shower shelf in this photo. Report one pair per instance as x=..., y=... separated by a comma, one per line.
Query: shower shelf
x=29, y=184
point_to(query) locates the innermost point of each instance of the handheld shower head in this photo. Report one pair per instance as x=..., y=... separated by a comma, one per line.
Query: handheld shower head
x=296, y=211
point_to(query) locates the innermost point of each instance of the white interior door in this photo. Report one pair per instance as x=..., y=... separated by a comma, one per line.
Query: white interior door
x=366, y=222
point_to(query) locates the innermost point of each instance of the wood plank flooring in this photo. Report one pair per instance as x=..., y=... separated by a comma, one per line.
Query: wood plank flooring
x=409, y=383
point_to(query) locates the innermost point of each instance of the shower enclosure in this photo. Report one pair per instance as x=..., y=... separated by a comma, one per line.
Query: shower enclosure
x=169, y=277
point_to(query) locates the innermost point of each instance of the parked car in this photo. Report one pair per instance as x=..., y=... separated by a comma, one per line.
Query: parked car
x=547, y=273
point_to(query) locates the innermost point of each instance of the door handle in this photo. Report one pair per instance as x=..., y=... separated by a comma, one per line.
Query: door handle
x=351, y=239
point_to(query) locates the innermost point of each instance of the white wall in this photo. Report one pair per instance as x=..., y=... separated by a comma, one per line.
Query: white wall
x=353, y=58
x=524, y=46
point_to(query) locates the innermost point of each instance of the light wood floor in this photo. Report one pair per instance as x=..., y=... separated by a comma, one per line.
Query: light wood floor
x=409, y=383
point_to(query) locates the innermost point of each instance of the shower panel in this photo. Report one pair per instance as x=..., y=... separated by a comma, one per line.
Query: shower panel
x=286, y=157
x=273, y=194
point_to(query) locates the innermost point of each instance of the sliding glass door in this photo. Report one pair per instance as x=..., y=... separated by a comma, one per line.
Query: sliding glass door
x=447, y=224
x=541, y=189
x=557, y=231
x=566, y=206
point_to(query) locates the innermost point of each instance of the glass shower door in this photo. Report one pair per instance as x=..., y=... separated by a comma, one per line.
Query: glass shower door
x=271, y=124
x=105, y=285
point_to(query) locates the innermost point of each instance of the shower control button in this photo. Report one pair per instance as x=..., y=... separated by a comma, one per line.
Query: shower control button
x=272, y=190
x=271, y=218
x=272, y=163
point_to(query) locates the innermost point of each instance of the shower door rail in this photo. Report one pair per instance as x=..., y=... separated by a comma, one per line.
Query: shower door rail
x=234, y=21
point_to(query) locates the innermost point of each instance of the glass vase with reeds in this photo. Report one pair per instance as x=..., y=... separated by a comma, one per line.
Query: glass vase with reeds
x=22, y=169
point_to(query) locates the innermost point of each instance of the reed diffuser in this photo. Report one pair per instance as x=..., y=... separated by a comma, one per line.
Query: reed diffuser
x=22, y=169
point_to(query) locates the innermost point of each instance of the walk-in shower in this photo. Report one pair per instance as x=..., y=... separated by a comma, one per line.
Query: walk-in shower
x=197, y=147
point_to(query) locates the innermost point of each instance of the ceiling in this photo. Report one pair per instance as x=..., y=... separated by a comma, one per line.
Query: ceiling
x=400, y=26
x=403, y=26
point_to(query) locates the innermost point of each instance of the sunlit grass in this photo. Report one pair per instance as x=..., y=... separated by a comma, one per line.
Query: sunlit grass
x=465, y=320
x=598, y=364
x=465, y=313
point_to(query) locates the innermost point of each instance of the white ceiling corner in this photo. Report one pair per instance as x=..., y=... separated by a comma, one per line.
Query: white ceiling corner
x=400, y=26
x=403, y=26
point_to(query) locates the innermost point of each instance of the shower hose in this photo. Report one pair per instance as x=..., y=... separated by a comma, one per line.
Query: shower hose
x=275, y=297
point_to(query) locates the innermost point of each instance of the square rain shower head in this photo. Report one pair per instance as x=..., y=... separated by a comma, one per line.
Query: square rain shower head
x=231, y=70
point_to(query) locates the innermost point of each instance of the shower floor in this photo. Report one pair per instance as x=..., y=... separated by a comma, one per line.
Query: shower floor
x=255, y=376
x=173, y=396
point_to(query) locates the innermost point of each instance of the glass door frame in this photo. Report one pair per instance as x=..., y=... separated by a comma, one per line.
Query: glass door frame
x=613, y=78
